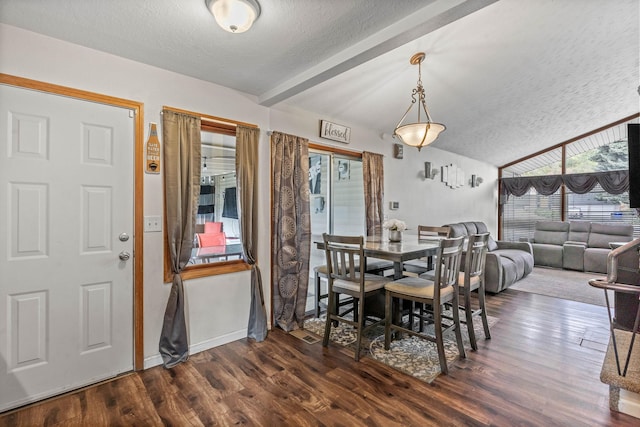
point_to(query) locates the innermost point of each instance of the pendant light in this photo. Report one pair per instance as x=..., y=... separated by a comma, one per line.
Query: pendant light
x=420, y=133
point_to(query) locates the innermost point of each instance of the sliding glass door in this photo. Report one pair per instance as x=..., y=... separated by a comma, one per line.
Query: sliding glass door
x=337, y=202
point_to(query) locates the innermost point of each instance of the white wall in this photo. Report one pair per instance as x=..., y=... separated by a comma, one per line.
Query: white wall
x=218, y=307
x=426, y=202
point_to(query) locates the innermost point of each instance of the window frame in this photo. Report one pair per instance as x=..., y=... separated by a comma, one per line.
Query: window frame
x=226, y=127
x=563, y=159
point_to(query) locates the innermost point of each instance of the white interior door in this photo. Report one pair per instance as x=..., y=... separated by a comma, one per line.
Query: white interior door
x=66, y=197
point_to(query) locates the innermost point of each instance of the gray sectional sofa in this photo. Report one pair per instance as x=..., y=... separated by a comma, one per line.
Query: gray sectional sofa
x=507, y=262
x=576, y=245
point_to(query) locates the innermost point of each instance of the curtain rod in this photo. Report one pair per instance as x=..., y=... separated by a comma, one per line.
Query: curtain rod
x=210, y=118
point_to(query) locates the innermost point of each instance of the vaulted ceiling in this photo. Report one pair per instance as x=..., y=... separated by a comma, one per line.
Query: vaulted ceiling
x=507, y=77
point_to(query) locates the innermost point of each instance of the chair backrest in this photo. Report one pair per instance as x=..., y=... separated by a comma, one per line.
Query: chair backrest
x=449, y=256
x=343, y=254
x=212, y=227
x=211, y=239
x=476, y=255
x=429, y=231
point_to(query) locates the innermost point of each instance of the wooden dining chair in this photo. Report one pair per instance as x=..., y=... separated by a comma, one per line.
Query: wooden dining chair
x=472, y=279
x=429, y=232
x=374, y=266
x=320, y=272
x=432, y=294
x=346, y=276
x=422, y=265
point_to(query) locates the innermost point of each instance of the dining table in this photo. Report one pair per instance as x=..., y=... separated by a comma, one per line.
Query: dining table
x=410, y=247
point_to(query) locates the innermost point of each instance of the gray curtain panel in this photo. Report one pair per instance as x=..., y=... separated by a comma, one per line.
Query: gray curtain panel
x=373, y=171
x=291, y=229
x=247, y=185
x=181, y=138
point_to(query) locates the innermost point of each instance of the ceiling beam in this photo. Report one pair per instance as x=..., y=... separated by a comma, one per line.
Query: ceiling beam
x=437, y=14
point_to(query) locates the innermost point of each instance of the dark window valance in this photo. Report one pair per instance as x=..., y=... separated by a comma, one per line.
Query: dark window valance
x=519, y=186
x=613, y=182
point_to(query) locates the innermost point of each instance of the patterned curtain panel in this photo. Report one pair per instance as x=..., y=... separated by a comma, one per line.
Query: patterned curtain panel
x=291, y=228
x=181, y=138
x=247, y=194
x=373, y=171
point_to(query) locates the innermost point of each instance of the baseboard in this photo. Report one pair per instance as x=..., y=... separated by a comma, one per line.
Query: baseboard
x=156, y=359
x=629, y=403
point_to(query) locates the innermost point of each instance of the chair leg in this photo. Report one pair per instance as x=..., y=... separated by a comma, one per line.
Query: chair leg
x=456, y=321
x=360, y=325
x=387, y=321
x=483, y=312
x=468, y=311
x=317, y=283
x=331, y=309
x=437, y=325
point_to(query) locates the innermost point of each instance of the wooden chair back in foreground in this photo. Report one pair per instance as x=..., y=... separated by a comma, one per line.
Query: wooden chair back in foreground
x=472, y=279
x=434, y=294
x=416, y=267
x=429, y=231
x=345, y=261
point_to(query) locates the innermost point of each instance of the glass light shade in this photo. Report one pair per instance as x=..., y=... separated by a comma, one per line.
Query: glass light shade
x=235, y=16
x=413, y=134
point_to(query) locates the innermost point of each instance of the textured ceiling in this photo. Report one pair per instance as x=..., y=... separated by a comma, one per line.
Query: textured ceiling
x=507, y=78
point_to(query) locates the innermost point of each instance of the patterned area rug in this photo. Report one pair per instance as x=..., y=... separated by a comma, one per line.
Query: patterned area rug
x=412, y=355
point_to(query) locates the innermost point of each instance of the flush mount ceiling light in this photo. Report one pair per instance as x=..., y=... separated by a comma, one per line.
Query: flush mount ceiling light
x=423, y=133
x=235, y=16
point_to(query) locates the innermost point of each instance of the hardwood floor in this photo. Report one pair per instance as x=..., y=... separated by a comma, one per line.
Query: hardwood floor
x=533, y=372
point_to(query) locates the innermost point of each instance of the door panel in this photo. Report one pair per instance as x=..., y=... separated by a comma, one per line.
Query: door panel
x=66, y=193
x=337, y=204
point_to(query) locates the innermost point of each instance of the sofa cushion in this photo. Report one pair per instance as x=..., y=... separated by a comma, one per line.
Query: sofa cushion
x=602, y=234
x=579, y=231
x=595, y=260
x=481, y=227
x=457, y=230
x=548, y=255
x=471, y=228
x=551, y=232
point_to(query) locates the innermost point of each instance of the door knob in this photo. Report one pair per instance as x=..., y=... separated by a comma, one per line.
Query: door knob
x=124, y=255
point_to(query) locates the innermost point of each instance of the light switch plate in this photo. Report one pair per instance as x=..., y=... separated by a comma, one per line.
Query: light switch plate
x=152, y=223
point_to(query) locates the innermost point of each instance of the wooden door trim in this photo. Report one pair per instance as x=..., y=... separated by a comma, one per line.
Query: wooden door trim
x=138, y=178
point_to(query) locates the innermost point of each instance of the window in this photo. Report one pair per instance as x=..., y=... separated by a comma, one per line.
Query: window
x=217, y=231
x=603, y=150
x=217, y=248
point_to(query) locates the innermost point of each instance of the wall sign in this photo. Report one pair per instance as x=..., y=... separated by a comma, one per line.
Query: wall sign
x=334, y=131
x=153, y=151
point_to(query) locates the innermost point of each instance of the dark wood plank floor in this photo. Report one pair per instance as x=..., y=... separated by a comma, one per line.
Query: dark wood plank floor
x=534, y=372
